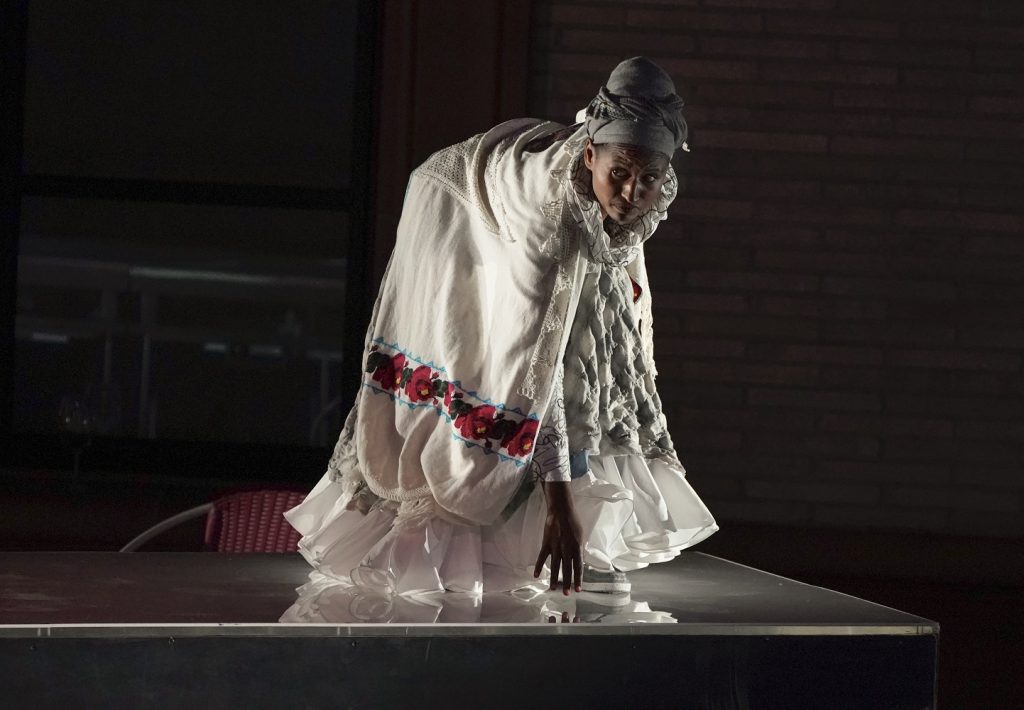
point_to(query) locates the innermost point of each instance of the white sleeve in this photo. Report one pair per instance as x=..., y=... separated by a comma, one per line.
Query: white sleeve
x=551, y=454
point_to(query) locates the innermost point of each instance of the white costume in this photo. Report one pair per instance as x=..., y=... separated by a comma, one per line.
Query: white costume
x=431, y=484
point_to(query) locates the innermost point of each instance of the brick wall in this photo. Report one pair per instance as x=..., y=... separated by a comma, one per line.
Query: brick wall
x=839, y=290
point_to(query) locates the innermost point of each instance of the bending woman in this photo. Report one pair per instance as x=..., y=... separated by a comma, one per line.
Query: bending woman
x=508, y=419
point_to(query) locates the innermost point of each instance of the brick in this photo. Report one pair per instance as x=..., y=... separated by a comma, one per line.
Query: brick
x=786, y=306
x=1010, y=58
x=814, y=5
x=700, y=256
x=753, y=95
x=1002, y=198
x=915, y=496
x=660, y=43
x=814, y=399
x=749, y=326
x=813, y=491
x=762, y=511
x=751, y=235
x=889, y=288
x=727, y=209
x=887, y=193
x=814, y=445
x=1013, y=431
x=812, y=72
x=752, y=140
x=819, y=262
x=854, y=309
x=911, y=9
x=759, y=421
x=897, y=100
x=996, y=524
x=961, y=219
x=880, y=517
x=702, y=439
x=700, y=347
x=823, y=214
x=712, y=486
x=710, y=395
x=897, y=147
x=889, y=332
x=823, y=122
x=998, y=151
x=757, y=48
x=732, y=371
x=902, y=54
x=992, y=338
x=582, y=15
x=749, y=281
x=833, y=354
x=895, y=242
x=997, y=104
x=692, y=21
x=883, y=472
x=1010, y=130
x=712, y=303
x=993, y=408
x=830, y=26
x=955, y=359
x=852, y=378
x=895, y=426
x=989, y=476
x=965, y=32
x=961, y=80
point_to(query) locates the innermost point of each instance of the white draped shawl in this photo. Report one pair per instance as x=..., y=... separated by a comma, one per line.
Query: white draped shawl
x=472, y=316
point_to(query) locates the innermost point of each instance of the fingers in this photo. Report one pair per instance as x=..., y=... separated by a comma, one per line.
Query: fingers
x=556, y=562
x=541, y=559
x=577, y=563
x=567, y=562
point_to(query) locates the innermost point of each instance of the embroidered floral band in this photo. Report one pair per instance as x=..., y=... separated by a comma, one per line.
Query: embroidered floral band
x=493, y=427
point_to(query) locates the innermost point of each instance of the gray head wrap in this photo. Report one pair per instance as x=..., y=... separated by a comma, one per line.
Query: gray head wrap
x=638, y=106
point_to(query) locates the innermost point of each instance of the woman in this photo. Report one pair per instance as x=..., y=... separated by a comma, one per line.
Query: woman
x=511, y=345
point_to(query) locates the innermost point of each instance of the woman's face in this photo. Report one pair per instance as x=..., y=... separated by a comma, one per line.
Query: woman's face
x=627, y=179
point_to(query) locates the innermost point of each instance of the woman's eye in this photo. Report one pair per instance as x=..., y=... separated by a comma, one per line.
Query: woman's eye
x=650, y=178
x=619, y=173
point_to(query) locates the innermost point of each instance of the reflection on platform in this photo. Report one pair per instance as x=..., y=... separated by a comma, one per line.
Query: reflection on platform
x=323, y=600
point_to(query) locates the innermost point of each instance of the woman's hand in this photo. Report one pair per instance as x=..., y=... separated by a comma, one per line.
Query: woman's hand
x=562, y=535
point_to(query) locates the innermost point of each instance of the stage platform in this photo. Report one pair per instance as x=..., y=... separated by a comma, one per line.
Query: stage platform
x=207, y=630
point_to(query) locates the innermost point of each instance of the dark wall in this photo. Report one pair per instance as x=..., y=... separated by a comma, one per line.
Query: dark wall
x=838, y=290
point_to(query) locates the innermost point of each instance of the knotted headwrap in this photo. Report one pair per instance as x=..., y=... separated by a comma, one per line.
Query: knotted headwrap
x=638, y=106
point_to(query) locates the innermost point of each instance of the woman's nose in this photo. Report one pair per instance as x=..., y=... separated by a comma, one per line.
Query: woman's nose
x=629, y=190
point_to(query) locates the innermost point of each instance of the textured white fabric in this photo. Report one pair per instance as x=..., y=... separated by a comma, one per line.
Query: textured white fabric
x=463, y=352
x=633, y=512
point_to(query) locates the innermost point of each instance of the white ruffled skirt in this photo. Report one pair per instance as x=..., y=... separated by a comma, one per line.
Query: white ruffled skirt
x=633, y=512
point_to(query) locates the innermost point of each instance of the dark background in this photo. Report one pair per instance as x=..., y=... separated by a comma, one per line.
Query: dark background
x=199, y=200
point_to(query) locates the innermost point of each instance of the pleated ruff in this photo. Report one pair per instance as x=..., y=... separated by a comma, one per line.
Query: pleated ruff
x=633, y=511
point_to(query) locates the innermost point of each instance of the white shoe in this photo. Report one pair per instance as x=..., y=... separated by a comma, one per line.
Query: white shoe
x=610, y=581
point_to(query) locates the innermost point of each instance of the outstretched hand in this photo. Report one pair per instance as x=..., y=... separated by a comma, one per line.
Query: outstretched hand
x=562, y=535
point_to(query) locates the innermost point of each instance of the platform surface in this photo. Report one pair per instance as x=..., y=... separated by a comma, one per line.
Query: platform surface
x=76, y=594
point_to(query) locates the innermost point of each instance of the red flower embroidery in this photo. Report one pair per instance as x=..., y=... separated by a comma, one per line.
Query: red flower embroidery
x=420, y=387
x=636, y=290
x=476, y=423
x=389, y=373
x=448, y=396
x=520, y=441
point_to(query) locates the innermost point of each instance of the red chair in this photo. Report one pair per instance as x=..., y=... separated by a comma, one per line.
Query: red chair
x=247, y=521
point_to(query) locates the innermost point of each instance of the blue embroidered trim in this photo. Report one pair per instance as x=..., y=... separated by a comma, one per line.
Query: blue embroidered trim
x=457, y=383
x=441, y=413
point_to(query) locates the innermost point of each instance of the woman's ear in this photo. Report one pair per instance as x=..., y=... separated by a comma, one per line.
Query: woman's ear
x=589, y=153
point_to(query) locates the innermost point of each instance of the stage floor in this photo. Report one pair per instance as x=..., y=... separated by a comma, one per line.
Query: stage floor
x=208, y=624
x=78, y=593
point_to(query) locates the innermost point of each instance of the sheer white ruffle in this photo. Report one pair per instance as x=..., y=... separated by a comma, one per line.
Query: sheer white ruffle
x=633, y=512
